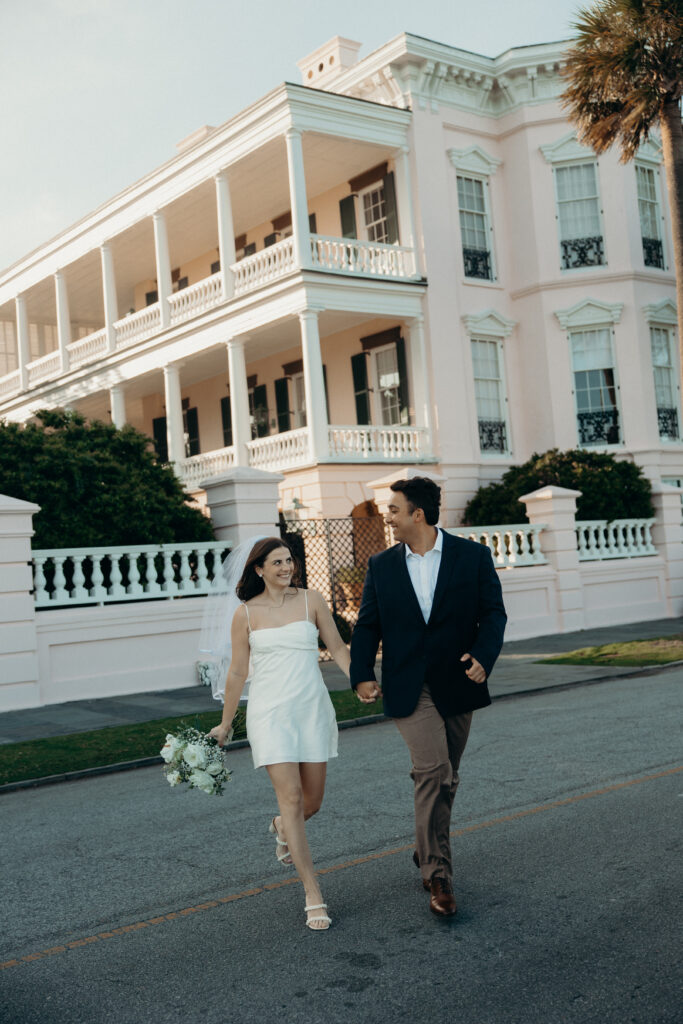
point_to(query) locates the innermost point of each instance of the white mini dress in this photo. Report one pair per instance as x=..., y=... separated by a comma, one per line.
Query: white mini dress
x=290, y=716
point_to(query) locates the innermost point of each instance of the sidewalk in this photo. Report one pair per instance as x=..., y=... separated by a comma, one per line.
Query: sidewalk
x=515, y=672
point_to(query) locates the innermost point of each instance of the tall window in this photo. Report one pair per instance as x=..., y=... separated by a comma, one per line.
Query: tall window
x=298, y=394
x=380, y=381
x=387, y=386
x=650, y=217
x=489, y=390
x=8, y=347
x=578, y=208
x=374, y=207
x=474, y=228
x=597, y=413
x=666, y=391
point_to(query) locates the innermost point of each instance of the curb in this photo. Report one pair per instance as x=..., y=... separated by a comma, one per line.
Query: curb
x=351, y=723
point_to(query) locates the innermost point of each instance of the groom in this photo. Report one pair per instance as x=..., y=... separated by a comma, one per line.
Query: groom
x=435, y=603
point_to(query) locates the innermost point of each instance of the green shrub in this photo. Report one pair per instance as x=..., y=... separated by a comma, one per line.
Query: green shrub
x=96, y=484
x=610, y=489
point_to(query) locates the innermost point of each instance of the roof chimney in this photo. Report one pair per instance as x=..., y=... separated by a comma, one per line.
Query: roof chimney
x=322, y=66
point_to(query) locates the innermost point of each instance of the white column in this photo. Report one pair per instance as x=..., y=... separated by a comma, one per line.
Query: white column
x=239, y=400
x=404, y=201
x=175, y=435
x=23, y=345
x=164, y=287
x=314, y=385
x=226, y=233
x=117, y=403
x=420, y=380
x=297, y=197
x=63, y=320
x=111, y=313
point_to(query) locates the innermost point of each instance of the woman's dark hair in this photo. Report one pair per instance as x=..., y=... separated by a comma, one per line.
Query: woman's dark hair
x=251, y=583
x=421, y=492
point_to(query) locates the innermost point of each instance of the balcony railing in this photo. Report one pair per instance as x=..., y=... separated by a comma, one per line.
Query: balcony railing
x=653, y=254
x=138, y=326
x=510, y=544
x=477, y=263
x=598, y=427
x=354, y=256
x=280, y=451
x=582, y=252
x=47, y=366
x=85, y=350
x=667, y=420
x=10, y=384
x=377, y=444
x=201, y=467
x=264, y=267
x=492, y=436
x=598, y=539
x=196, y=299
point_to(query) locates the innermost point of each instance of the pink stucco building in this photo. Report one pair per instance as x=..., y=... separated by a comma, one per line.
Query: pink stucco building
x=406, y=260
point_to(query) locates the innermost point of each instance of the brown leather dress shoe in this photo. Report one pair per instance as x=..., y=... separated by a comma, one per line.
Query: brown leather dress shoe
x=416, y=861
x=442, y=900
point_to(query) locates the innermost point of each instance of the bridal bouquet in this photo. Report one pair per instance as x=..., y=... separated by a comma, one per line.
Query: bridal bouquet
x=196, y=759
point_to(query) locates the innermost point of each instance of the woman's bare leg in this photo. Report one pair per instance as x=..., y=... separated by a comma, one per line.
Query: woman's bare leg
x=287, y=783
x=313, y=777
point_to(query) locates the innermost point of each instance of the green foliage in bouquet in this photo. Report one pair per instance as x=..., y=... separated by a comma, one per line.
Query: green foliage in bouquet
x=96, y=484
x=195, y=759
x=610, y=488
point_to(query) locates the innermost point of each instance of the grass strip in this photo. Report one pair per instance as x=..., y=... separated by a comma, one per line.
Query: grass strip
x=659, y=651
x=53, y=755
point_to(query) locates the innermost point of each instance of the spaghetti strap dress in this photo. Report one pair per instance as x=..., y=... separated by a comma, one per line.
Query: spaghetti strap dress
x=290, y=716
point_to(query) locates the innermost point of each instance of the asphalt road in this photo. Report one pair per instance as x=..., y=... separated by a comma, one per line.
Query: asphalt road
x=566, y=876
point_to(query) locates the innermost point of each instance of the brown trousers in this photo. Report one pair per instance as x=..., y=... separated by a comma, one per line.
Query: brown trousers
x=436, y=746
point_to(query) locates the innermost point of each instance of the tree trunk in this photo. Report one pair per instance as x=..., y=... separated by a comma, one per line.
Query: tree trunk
x=672, y=146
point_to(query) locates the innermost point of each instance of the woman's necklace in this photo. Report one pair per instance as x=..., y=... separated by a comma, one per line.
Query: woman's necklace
x=276, y=607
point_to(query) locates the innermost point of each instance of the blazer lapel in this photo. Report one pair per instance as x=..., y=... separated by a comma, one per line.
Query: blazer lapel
x=448, y=560
x=406, y=582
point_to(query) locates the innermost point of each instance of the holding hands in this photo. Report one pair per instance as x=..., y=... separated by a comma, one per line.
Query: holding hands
x=368, y=692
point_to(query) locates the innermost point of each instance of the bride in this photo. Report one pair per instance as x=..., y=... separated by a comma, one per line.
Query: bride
x=291, y=724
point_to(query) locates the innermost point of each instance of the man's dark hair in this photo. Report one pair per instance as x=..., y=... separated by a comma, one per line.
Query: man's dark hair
x=421, y=492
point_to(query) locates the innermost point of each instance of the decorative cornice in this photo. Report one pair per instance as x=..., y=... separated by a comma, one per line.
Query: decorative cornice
x=565, y=149
x=663, y=312
x=474, y=160
x=488, y=323
x=590, y=313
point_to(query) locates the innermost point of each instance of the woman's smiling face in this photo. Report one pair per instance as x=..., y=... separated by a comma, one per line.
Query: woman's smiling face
x=278, y=568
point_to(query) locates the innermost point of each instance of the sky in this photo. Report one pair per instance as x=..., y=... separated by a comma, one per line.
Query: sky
x=98, y=92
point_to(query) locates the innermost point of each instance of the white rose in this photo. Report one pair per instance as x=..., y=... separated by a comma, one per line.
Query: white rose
x=173, y=778
x=202, y=780
x=215, y=767
x=171, y=748
x=195, y=755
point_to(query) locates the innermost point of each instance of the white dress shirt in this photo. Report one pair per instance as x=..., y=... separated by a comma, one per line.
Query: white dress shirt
x=423, y=571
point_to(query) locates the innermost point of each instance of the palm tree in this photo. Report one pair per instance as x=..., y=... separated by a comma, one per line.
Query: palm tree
x=625, y=75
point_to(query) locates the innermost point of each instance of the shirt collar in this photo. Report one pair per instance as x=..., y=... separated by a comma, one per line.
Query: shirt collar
x=438, y=547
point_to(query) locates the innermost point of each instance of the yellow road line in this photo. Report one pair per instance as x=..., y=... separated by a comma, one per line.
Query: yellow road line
x=211, y=904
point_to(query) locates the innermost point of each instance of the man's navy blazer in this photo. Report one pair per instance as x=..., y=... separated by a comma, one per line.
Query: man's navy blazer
x=467, y=615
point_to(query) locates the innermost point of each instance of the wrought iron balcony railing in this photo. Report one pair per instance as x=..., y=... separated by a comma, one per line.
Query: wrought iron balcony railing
x=599, y=427
x=667, y=420
x=492, y=436
x=653, y=254
x=477, y=263
x=582, y=252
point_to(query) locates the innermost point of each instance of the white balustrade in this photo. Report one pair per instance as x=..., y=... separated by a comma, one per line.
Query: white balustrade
x=87, y=349
x=280, y=451
x=196, y=299
x=47, y=366
x=264, y=266
x=73, y=576
x=377, y=444
x=201, y=467
x=511, y=544
x=10, y=384
x=355, y=256
x=600, y=539
x=138, y=326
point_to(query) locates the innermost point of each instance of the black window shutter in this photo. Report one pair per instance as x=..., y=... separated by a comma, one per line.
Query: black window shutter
x=226, y=418
x=270, y=240
x=403, y=397
x=327, y=398
x=151, y=297
x=191, y=418
x=347, y=213
x=312, y=224
x=250, y=249
x=390, y=205
x=160, y=440
x=282, y=404
x=359, y=369
x=215, y=266
x=261, y=410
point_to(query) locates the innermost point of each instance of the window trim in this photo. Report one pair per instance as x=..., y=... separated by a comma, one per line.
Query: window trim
x=374, y=389
x=489, y=325
x=560, y=165
x=476, y=163
x=361, y=226
x=506, y=453
x=488, y=225
x=648, y=165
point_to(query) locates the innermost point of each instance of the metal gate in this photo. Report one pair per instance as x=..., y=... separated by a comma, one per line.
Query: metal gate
x=334, y=557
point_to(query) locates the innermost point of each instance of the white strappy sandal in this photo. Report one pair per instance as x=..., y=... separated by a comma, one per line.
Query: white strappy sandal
x=283, y=858
x=318, y=917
